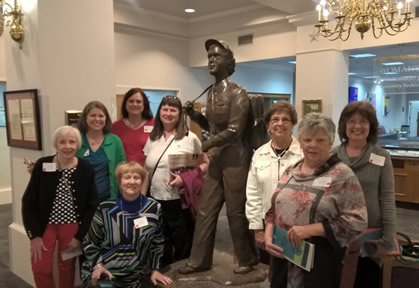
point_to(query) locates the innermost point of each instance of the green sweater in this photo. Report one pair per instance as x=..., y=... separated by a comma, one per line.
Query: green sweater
x=114, y=151
x=377, y=182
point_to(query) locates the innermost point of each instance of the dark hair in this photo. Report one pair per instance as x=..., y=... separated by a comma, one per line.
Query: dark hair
x=82, y=124
x=279, y=107
x=230, y=61
x=366, y=110
x=158, y=129
x=147, y=114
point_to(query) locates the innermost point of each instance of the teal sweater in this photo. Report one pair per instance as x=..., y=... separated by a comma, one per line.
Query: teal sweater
x=114, y=151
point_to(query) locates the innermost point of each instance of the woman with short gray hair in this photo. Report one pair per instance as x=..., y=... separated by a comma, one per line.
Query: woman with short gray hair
x=320, y=200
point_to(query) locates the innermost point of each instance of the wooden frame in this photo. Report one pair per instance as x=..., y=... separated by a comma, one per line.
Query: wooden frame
x=23, y=119
x=310, y=106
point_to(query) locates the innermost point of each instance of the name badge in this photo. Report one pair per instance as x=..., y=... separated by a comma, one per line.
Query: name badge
x=377, y=159
x=86, y=153
x=148, y=128
x=49, y=167
x=140, y=222
x=322, y=182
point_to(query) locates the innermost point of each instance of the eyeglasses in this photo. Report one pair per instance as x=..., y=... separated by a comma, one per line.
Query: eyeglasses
x=277, y=120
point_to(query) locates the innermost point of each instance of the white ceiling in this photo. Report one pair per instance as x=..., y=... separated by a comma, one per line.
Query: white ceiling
x=208, y=7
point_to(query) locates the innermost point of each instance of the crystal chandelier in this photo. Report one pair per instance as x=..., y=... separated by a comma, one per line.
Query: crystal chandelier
x=378, y=15
x=15, y=20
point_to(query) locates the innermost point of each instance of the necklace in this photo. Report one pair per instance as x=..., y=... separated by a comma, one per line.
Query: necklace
x=133, y=126
x=279, y=152
x=94, y=142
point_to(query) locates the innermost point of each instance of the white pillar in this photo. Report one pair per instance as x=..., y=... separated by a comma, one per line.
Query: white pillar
x=68, y=55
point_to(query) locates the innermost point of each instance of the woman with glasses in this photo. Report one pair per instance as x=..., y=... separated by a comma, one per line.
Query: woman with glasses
x=125, y=238
x=102, y=149
x=268, y=164
x=358, y=131
x=136, y=125
x=171, y=136
x=57, y=206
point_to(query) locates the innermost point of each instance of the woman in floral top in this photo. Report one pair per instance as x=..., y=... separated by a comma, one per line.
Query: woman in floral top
x=320, y=200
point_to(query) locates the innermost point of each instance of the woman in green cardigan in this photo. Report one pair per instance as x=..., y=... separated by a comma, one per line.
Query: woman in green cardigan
x=103, y=150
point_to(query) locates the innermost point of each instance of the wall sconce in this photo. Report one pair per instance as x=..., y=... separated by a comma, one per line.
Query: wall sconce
x=14, y=22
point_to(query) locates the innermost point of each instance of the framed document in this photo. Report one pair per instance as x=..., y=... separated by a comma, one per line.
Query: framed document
x=23, y=119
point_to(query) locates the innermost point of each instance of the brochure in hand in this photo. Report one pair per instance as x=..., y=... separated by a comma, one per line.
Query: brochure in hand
x=180, y=162
x=376, y=234
x=302, y=256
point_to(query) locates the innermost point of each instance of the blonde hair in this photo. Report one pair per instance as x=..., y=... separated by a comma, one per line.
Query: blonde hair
x=63, y=132
x=126, y=167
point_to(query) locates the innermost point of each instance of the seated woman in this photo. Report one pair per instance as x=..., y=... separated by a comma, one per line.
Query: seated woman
x=319, y=199
x=58, y=205
x=125, y=235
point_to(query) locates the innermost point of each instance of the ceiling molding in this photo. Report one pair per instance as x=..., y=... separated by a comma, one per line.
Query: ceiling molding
x=225, y=13
x=124, y=28
x=129, y=6
x=268, y=65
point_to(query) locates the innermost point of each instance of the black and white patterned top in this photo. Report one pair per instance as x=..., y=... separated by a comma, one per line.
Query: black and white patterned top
x=63, y=210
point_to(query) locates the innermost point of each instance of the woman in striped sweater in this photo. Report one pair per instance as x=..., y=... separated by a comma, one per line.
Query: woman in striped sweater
x=125, y=235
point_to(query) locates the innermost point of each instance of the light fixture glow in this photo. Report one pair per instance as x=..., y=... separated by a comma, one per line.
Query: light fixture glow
x=352, y=73
x=190, y=10
x=392, y=63
x=364, y=55
x=389, y=73
x=370, y=77
x=292, y=62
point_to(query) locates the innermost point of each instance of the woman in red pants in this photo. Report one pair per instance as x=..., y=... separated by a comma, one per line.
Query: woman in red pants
x=58, y=205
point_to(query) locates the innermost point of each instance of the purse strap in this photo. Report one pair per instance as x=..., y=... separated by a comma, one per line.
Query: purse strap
x=158, y=161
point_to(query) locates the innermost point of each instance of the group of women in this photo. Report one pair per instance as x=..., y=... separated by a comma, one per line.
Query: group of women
x=128, y=235
x=328, y=196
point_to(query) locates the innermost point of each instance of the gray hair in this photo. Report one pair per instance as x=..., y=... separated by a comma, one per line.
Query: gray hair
x=64, y=131
x=314, y=122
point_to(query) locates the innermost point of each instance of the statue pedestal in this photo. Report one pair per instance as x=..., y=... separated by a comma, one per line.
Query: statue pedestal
x=220, y=275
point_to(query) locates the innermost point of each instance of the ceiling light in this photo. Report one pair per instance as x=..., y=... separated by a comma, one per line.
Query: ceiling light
x=364, y=55
x=378, y=15
x=190, y=10
x=392, y=63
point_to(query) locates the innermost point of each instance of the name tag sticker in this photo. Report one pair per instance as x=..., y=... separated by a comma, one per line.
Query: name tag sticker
x=86, y=153
x=322, y=182
x=49, y=167
x=148, y=128
x=140, y=222
x=377, y=159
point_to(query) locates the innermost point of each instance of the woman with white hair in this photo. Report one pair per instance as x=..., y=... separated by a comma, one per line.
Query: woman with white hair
x=58, y=205
x=319, y=199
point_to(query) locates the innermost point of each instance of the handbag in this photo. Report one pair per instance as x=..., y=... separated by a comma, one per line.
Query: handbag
x=411, y=250
x=155, y=167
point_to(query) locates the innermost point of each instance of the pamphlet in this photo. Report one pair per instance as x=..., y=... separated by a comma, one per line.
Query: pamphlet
x=181, y=162
x=376, y=234
x=302, y=256
x=71, y=253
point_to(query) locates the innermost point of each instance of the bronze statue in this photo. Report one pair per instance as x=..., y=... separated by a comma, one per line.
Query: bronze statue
x=227, y=118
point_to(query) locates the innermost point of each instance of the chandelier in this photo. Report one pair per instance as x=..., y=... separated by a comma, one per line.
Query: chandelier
x=11, y=16
x=378, y=15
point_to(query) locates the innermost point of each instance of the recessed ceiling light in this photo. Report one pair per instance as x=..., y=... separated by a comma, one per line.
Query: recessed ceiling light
x=190, y=10
x=364, y=55
x=392, y=63
x=292, y=62
x=351, y=73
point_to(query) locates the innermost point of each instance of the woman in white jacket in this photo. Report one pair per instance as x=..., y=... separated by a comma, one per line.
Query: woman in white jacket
x=268, y=164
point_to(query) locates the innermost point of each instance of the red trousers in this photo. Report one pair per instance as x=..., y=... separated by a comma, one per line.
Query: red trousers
x=42, y=270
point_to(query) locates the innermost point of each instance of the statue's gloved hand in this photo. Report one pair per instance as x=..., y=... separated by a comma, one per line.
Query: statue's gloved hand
x=188, y=106
x=206, y=145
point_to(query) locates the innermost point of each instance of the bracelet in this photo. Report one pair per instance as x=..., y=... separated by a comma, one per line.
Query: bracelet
x=97, y=266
